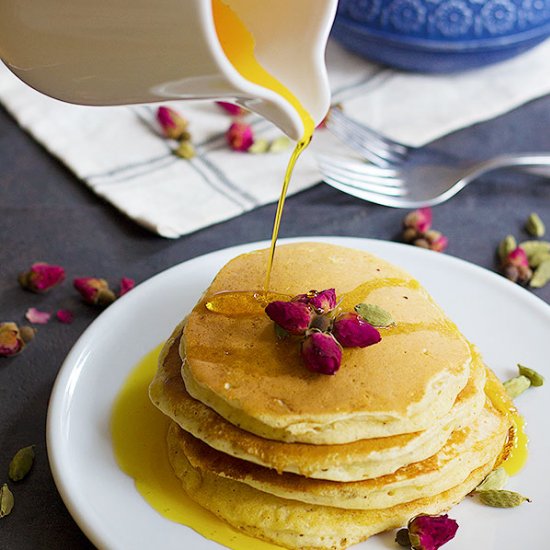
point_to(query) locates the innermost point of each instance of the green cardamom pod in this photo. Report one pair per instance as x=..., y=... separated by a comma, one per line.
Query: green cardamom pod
x=537, y=258
x=501, y=499
x=533, y=247
x=21, y=463
x=534, y=225
x=541, y=276
x=516, y=386
x=6, y=500
x=375, y=315
x=259, y=146
x=506, y=246
x=185, y=150
x=535, y=378
x=280, y=144
x=496, y=480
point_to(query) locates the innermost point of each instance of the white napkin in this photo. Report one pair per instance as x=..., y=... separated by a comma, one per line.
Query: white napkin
x=119, y=152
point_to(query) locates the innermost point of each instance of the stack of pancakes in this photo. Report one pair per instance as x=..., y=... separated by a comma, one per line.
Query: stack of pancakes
x=307, y=460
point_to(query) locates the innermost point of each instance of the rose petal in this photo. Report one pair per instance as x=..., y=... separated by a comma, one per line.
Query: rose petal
x=352, y=331
x=37, y=317
x=42, y=277
x=294, y=317
x=240, y=136
x=126, y=284
x=65, y=316
x=321, y=353
x=431, y=532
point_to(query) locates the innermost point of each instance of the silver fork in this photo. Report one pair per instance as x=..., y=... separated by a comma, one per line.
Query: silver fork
x=424, y=179
x=370, y=144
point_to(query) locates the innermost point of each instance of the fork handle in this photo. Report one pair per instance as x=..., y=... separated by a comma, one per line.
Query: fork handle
x=529, y=161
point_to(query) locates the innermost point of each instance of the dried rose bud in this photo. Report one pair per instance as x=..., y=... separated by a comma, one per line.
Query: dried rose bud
x=231, y=108
x=240, y=136
x=439, y=244
x=321, y=353
x=94, y=291
x=172, y=123
x=37, y=317
x=525, y=273
x=65, y=316
x=352, y=331
x=126, y=284
x=323, y=301
x=42, y=277
x=11, y=341
x=431, y=532
x=421, y=243
x=294, y=317
x=511, y=272
x=517, y=257
x=420, y=219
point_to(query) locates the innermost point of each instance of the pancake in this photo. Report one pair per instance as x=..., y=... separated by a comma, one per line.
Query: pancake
x=404, y=384
x=466, y=450
x=347, y=462
x=296, y=525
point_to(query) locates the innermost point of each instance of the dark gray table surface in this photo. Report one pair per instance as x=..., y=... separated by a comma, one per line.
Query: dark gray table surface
x=47, y=214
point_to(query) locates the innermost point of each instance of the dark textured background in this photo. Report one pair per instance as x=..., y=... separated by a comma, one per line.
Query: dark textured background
x=46, y=214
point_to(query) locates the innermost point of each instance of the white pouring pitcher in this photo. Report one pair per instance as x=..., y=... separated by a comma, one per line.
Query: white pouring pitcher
x=115, y=52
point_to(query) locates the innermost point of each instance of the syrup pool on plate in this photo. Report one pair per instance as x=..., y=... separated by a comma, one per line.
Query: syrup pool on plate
x=139, y=430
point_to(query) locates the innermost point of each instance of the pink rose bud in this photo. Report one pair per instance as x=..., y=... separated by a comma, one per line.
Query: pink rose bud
x=172, y=123
x=37, y=317
x=13, y=340
x=231, y=108
x=94, y=291
x=126, y=284
x=352, y=331
x=294, y=317
x=420, y=219
x=240, y=136
x=65, y=316
x=42, y=277
x=431, y=532
x=321, y=353
x=322, y=302
x=517, y=257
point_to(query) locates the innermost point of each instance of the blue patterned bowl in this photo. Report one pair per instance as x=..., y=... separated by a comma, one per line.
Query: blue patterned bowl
x=441, y=35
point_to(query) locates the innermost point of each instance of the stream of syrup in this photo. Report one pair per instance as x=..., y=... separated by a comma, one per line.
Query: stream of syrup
x=238, y=45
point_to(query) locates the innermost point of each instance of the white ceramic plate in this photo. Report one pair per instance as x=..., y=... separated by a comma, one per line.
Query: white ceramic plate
x=508, y=324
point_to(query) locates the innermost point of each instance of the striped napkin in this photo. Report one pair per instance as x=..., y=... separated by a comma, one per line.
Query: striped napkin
x=120, y=154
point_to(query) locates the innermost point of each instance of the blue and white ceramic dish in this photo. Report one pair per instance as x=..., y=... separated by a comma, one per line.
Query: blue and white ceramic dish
x=441, y=35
